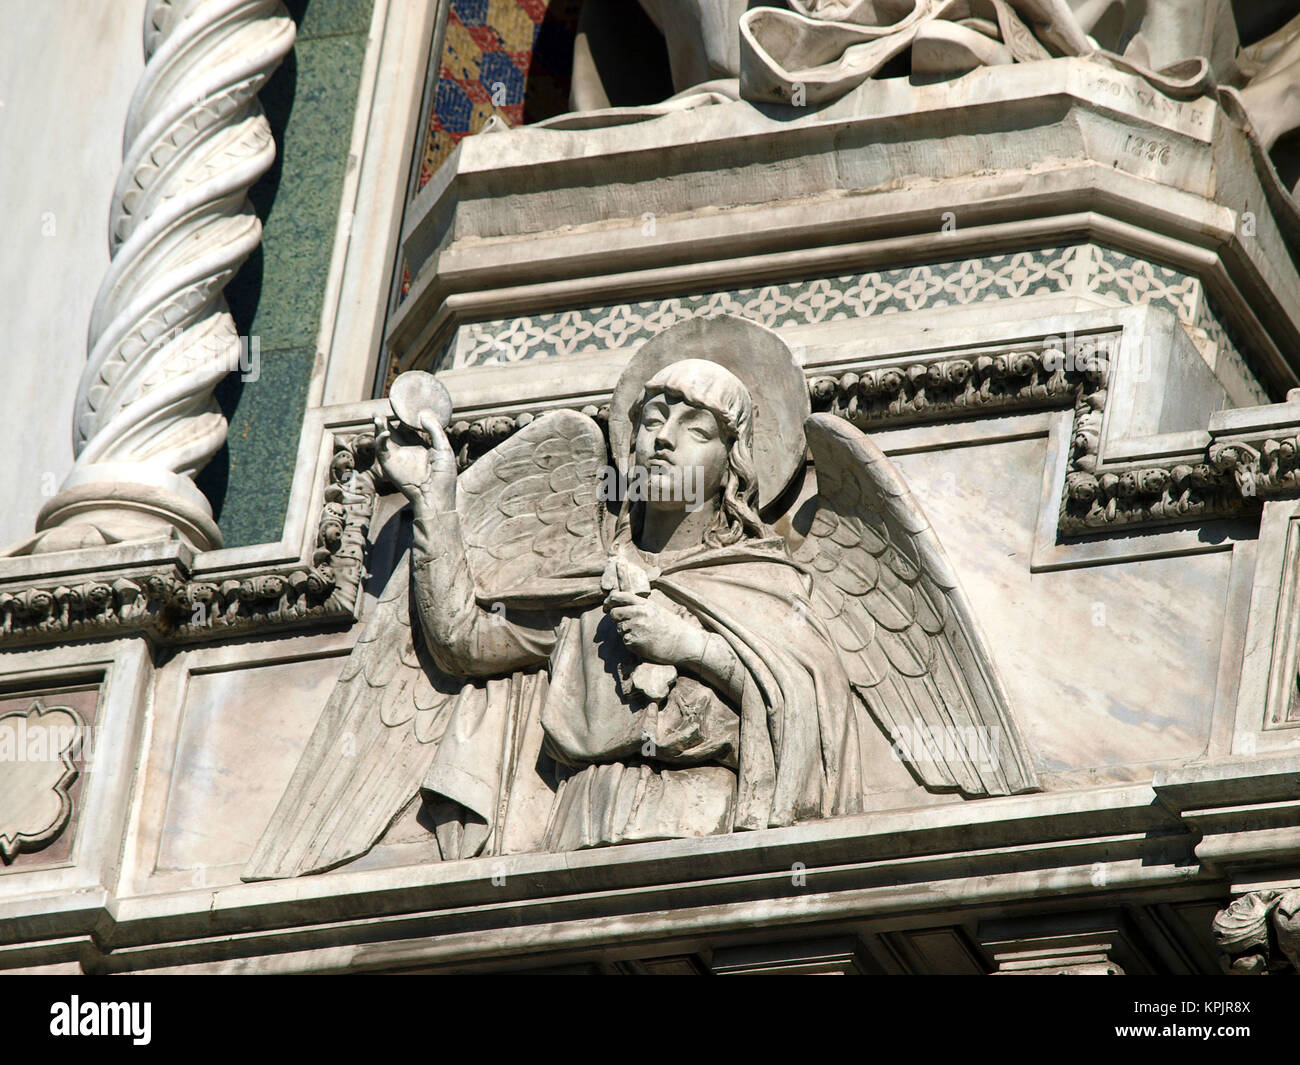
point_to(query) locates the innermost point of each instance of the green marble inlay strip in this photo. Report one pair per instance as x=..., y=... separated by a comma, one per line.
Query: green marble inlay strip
x=278, y=296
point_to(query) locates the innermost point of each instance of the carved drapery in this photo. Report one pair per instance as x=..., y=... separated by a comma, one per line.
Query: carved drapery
x=161, y=336
x=1259, y=933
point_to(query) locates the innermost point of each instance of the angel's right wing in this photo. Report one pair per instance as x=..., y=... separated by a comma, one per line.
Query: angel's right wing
x=907, y=635
x=529, y=504
x=369, y=750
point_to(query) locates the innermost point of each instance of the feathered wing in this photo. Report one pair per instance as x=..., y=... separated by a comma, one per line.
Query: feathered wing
x=908, y=637
x=364, y=760
x=531, y=506
x=526, y=506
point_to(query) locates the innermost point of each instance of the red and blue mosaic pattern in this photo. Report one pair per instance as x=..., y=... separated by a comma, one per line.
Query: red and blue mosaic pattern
x=508, y=57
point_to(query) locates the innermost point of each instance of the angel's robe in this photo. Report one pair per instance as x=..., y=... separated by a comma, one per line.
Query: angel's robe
x=556, y=758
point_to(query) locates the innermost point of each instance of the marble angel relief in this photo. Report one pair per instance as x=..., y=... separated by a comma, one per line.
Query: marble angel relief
x=574, y=654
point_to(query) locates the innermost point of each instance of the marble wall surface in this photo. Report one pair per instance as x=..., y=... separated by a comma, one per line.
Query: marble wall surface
x=1111, y=669
x=67, y=71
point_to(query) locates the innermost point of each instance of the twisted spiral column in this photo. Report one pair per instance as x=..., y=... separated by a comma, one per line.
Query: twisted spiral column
x=161, y=336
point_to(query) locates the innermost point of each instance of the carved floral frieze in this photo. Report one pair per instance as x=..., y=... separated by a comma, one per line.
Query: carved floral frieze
x=1230, y=479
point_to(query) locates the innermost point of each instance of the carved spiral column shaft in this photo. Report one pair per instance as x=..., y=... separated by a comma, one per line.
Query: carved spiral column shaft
x=161, y=336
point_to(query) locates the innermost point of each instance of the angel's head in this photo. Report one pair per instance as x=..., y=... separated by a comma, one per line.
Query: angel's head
x=694, y=440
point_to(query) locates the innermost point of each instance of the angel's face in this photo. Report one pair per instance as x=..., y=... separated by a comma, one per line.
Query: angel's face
x=683, y=452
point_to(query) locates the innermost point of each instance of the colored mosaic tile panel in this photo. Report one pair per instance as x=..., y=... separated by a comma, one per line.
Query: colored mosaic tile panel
x=511, y=58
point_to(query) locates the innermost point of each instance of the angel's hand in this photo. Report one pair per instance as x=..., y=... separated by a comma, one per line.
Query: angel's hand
x=651, y=632
x=426, y=475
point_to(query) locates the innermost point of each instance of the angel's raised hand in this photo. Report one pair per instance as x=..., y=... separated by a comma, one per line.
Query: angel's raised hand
x=425, y=475
x=441, y=457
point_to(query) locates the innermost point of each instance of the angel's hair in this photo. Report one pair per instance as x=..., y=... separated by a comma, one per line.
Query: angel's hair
x=714, y=388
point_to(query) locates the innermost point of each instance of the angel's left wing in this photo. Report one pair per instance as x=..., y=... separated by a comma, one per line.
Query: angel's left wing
x=907, y=635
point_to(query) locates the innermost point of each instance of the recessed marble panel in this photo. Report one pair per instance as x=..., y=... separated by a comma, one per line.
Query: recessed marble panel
x=37, y=737
x=242, y=731
x=1109, y=668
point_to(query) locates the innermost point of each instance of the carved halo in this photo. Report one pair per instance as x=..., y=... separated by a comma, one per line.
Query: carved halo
x=765, y=365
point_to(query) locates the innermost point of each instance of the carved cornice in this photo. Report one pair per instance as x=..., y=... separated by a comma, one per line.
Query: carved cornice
x=1151, y=494
x=1271, y=471
x=471, y=439
x=894, y=396
x=170, y=606
x=1234, y=479
x=161, y=336
x=1228, y=479
x=1023, y=381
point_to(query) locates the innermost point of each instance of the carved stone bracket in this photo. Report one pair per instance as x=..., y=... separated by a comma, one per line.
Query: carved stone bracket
x=1259, y=933
x=161, y=337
